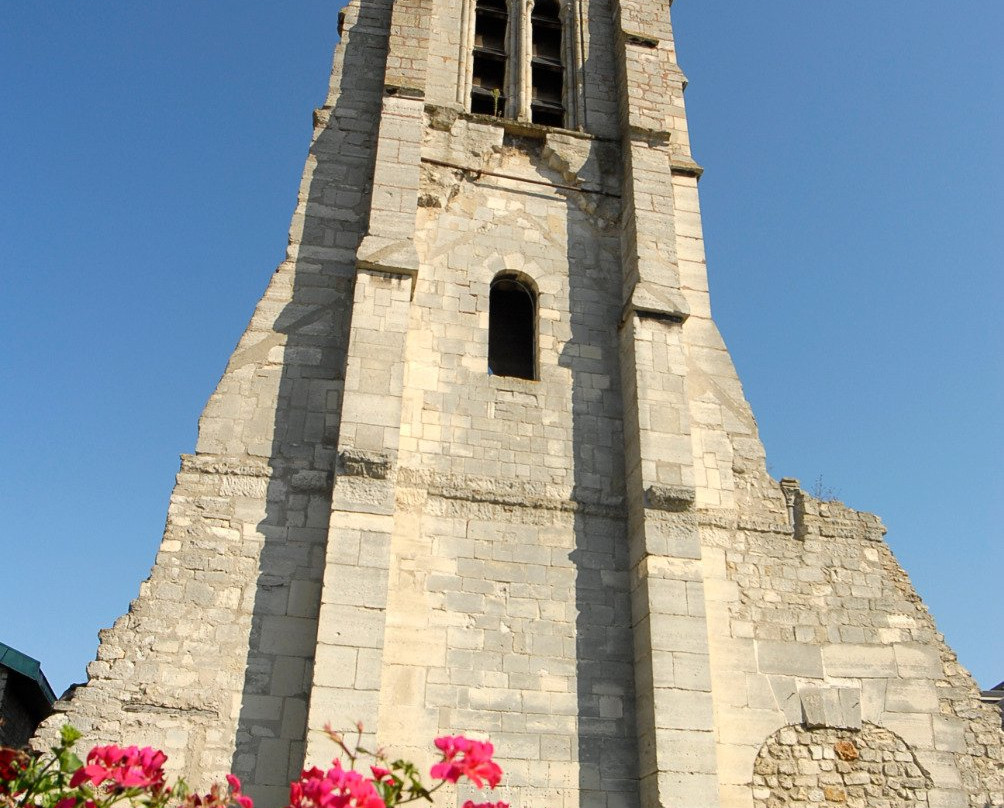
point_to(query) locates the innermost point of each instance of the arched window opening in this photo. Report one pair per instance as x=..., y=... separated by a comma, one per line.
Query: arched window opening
x=491, y=23
x=512, y=329
x=547, y=106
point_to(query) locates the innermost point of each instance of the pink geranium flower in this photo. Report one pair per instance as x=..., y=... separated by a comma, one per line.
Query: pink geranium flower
x=122, y=769
x=218, y=798
x=463, y=757
x=336, y=788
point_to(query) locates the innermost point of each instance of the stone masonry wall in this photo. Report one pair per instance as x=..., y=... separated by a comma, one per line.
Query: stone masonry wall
x=213, y=662
x=830, y=768
x=817, y=625
x=593, y=567
x=508, y=609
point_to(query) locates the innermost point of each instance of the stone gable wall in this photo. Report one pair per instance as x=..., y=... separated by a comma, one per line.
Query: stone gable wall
x=819, y=626
x=213, y=663
x=593, y=567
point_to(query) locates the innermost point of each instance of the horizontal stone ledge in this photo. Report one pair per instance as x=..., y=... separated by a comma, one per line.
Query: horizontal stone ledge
x=731, y=520
x=361, y=29
x=304, y=478
x=641, y=40
x=389, y=271
x=653, y=138
x=309, y=481
x=169, y=709
x=227, y=466
x=508, y=493
x=404, y=91
x=686, y=168
x=361, y=463
x=654, y=302
x=673, y=498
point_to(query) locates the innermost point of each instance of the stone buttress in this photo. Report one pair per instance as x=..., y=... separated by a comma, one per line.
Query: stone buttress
x=584, y=559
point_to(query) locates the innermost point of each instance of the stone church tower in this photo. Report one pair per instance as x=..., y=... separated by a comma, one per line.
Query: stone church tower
x=481, y=463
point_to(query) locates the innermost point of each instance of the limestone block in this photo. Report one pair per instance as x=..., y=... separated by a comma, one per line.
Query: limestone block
x=916, y=729
x=679, y=790
x=684, y=751
x=833, y=707
x=789, y=658
x=786, y=696
x=911, y=696
x=918, y=661
x=859, y=661
x=947, y=798
x=949, y=734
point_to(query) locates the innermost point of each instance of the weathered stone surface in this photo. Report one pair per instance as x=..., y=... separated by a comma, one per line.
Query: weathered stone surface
x=592, y=566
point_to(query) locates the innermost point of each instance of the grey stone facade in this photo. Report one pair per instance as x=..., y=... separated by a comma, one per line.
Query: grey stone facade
x=25, y=697
x=996, y=698
x=593, y=566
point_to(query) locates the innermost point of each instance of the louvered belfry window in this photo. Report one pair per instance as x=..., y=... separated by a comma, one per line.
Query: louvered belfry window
x=546, y=65
x=491, y=57
x=520, y=61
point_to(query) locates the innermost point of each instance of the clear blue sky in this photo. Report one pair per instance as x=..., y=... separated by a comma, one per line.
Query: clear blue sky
x=149, y=160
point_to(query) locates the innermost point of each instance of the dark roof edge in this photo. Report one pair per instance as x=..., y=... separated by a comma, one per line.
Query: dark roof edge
x=28, y=667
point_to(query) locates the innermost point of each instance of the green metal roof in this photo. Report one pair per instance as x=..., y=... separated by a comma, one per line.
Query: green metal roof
x=29, y=668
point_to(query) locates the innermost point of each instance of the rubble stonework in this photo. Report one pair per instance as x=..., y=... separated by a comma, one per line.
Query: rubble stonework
x=831, y=768
x=593, y=566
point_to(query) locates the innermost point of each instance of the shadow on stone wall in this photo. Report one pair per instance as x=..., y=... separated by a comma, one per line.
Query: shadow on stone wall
x=315, y=321
x=604, y=648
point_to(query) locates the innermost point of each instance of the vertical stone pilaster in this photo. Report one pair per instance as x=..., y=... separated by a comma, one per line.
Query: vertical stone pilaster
x=675, y=720
x=390, y=241
x=650, y=80
x=408, y=52
x=677, y=759
x=350, y=639
x=346, y=683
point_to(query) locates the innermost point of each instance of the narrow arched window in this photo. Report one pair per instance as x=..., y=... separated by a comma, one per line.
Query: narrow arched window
x=512, y=328
x=547, y=70
x=491, y=57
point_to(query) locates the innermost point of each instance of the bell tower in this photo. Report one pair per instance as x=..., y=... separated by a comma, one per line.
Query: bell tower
x=481, y=463
x=516, y=440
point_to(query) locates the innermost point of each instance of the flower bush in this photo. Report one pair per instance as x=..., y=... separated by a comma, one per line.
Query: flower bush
x=134, y=778
x=111, y=776
x=393, y=783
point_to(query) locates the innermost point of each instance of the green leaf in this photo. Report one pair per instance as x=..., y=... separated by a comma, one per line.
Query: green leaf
x=69, y=762
x=69, y=735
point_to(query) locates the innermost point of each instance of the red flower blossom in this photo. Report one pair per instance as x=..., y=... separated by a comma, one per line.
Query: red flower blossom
x=380, y=773
x=463, y=757
x=242, y=800
x=336, y=788
x=122, y=768
x=11, y=763
x=218, y=798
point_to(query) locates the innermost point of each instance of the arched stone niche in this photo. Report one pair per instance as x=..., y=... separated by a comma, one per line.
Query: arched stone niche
x=826, y=767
